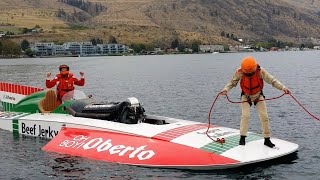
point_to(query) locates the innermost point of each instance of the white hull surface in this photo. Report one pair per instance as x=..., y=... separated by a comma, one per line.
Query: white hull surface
x=178, y=144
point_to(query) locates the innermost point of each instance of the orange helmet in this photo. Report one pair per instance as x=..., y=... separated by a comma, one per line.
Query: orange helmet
x=63, y=66
x=248, y=64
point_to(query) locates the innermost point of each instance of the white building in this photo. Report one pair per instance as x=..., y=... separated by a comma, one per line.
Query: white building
x=2, y=34
x=211, y=48
x=42, y=49
x=103, y=48
x=111, y=48
x=72, y=47
x=59, y=50
x=87, y=48
x=76, y=48
x=79, y=47
x=313, y=40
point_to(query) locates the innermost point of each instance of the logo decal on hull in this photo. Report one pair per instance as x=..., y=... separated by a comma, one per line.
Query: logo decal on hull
x=101, y=145
x=9, y=97
x=216, y=133
x=38, y=130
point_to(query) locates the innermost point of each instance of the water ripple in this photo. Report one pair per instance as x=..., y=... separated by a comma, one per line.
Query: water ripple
x=175, y=86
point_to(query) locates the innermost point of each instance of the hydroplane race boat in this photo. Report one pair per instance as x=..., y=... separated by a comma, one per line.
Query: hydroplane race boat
x=121, y=132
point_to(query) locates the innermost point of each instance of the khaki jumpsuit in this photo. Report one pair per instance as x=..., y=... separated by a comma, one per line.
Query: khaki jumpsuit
x=260, y=106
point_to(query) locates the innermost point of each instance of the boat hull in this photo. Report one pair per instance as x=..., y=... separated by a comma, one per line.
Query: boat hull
x=178, y=144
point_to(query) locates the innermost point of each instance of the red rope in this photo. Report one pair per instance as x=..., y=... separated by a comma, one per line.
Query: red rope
x=304, y=108
x=222, y=140
x=209, y=123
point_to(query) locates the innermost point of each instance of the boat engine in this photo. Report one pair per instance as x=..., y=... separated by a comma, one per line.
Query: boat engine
x=129, y=112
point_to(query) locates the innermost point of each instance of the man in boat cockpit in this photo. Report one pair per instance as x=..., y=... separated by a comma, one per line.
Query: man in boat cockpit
x=65, y=82
x=251, y=77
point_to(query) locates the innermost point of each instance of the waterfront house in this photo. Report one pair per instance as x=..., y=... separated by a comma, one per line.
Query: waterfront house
x=211, y=48
x=78, y=48
x=42, y=49
x=111, y=48
x=2, y=34
x=87, y=48
x=59, y=50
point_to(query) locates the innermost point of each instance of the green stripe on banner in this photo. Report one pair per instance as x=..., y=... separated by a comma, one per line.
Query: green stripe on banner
x=7, y=106
x=15, y=124
x=230, y=142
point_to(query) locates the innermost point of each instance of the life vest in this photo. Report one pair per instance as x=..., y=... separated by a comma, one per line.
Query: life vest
x=65, y=84
x=251, y=85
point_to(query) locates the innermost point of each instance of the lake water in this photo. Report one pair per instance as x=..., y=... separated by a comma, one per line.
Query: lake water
x=180, y=86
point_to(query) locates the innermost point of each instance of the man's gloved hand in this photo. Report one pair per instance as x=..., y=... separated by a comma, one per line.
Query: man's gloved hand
x=81, y=74
x=223, y=92
x=286, y=91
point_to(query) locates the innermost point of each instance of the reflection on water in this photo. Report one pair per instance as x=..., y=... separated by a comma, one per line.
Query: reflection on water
x=181, y=86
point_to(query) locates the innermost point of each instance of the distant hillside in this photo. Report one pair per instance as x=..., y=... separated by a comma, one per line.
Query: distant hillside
x=159, y=21
x=313, y=5
x=255, y=18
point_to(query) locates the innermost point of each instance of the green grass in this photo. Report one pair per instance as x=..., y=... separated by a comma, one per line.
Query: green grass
x=72, y=27
x=77, y=27
x=13, y=29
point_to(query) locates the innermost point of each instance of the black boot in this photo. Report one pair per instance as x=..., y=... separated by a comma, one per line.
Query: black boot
x=268, y=143
x=242, y=140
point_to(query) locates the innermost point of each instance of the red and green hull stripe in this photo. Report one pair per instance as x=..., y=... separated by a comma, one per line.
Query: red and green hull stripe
x=214, y=147
x=230, y=142
x=174, y=133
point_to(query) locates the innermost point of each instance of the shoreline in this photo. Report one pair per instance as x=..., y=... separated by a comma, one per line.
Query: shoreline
x=128, y=54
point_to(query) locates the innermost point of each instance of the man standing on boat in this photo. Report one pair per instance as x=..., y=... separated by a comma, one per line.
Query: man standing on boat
x=251, y=77
x=65, y=81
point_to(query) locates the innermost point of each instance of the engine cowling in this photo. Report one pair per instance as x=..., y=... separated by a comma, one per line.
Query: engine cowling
x=129, y=111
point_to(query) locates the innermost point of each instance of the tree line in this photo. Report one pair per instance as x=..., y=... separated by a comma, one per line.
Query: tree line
x=230, y=35
x=141, y=47
x=91, y=8
x=181, y=46
x=72, y=17
x=270, y=42
x=9, y=48
x=95, y=41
